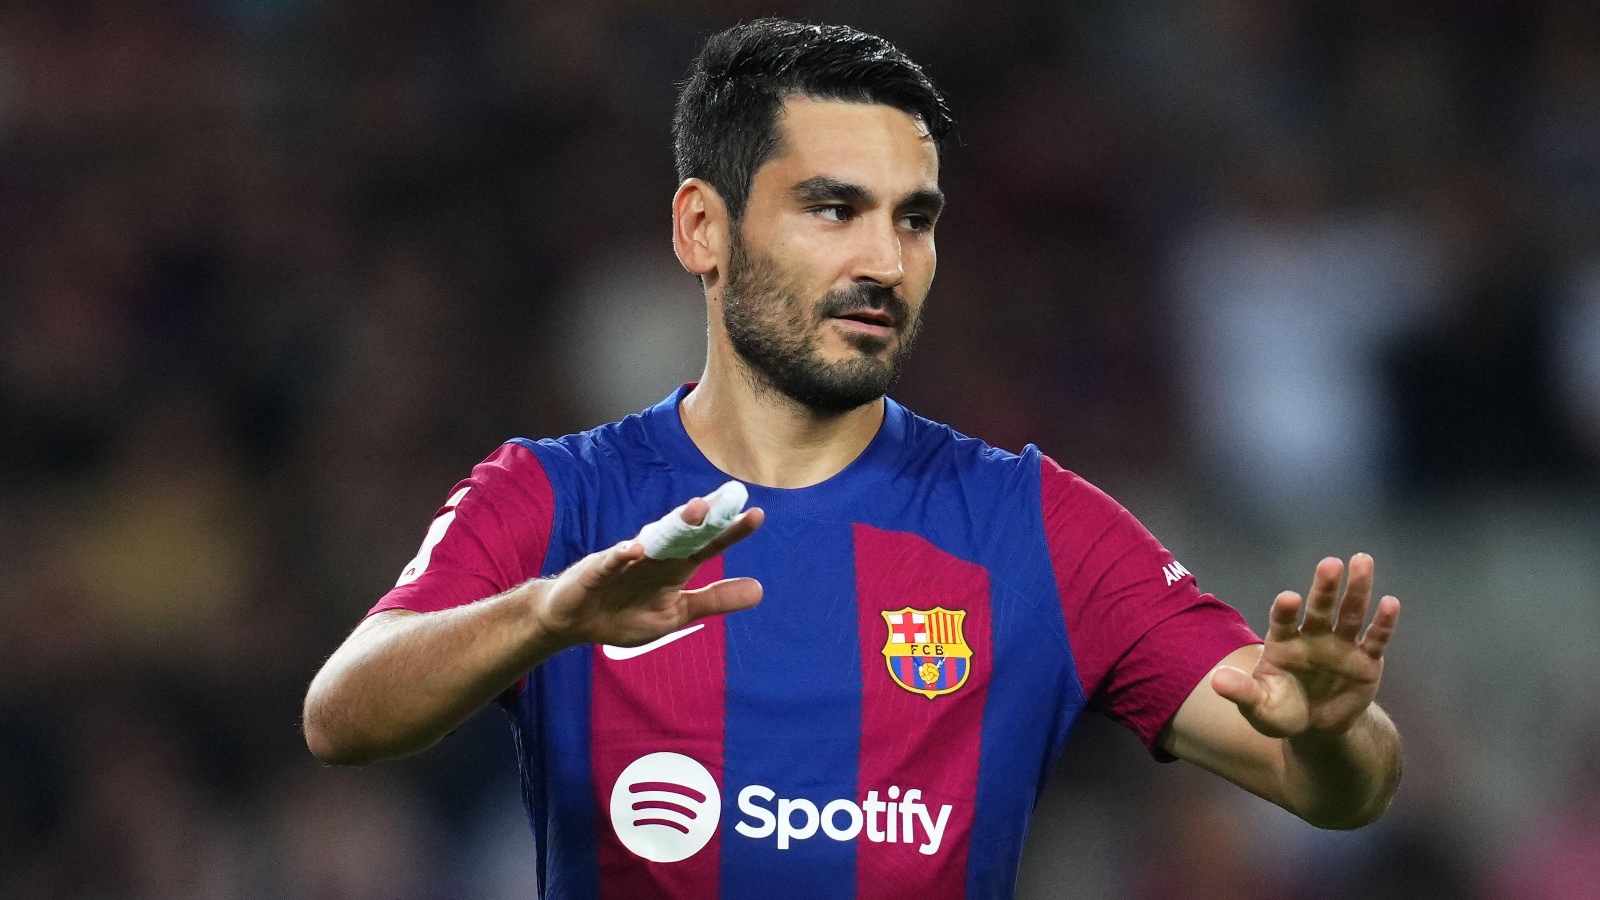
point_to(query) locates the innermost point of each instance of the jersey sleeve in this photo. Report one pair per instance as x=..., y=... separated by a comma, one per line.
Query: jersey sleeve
x=490, y=536
x=1142, y=634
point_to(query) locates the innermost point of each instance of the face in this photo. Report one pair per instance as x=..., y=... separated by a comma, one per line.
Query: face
x=829, y=269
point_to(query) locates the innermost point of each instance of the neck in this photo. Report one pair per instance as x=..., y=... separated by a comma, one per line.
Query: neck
x=761, y=437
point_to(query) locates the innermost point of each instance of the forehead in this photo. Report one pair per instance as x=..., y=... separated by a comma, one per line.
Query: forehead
x=869, y=144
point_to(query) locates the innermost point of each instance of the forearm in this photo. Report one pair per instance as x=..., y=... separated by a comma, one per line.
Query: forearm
x=1344, y=781
x=403, y=681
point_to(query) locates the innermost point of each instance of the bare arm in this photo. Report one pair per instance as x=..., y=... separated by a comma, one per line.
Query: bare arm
x=1295, y=721
x=403, y=680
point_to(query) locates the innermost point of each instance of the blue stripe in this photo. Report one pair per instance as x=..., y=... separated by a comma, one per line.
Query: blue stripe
x=557, y=770
x=793, y=704
x=530, y=772
x=561, y=801
x=1034, y=694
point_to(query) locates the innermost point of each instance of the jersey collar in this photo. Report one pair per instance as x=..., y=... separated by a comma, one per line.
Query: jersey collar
x=873, y=467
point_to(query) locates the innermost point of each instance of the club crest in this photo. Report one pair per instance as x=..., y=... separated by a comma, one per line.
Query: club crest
x=926, y=651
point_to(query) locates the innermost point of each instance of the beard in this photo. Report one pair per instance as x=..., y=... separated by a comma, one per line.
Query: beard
x=780, y=338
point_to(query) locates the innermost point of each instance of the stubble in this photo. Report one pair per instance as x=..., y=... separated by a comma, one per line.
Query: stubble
x=779, y=337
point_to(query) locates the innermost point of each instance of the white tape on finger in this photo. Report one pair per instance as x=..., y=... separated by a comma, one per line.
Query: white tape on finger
x=669, y=537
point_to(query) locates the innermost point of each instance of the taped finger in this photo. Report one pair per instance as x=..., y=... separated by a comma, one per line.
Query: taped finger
x=670, y=537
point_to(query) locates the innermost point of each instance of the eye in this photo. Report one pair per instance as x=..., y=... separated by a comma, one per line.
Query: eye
x=834, y=212
x=916, y=222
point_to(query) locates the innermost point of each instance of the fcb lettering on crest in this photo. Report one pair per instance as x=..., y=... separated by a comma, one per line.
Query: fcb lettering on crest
x=925, y=650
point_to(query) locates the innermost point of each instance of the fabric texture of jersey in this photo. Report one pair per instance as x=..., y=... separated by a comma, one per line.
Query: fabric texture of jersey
x=934, y=619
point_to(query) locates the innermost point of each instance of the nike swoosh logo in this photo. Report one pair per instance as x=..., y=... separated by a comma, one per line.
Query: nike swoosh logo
x=613, y=652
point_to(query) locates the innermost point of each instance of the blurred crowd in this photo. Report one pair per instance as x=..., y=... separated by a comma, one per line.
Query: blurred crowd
x=1288, y=278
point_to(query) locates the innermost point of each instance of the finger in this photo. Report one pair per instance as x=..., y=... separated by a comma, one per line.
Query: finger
x=1285, y=617
x=1357, y=595
x=679, y=571
x=1323, y=597
x=1237, y=685
x=605, y=565
x=694, y=512
x=621, y=555
x=1382, y=627
x=725, y=596
x=742, y=527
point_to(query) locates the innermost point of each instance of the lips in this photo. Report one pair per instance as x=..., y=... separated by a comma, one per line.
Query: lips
x=879, y=317
x=877, y=328
x=866, y=310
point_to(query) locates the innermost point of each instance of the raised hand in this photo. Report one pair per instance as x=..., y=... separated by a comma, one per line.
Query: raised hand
x=622, y=597
x=1318, y=675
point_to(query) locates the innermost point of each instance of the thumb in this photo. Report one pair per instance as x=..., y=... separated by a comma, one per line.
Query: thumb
x=725, y=596
x=1237, y=685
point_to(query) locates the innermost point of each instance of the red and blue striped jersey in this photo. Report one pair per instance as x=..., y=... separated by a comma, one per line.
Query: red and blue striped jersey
x=934, y=619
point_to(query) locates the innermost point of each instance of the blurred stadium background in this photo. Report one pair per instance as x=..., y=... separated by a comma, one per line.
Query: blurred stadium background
x=1288, y=278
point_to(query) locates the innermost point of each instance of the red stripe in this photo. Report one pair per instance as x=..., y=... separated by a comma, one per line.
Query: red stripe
x=495, y=542
x=669, y=699
x=908, y=740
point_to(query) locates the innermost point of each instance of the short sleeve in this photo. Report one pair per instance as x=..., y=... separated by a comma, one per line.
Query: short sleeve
x=490, y=536
x=1142, y=634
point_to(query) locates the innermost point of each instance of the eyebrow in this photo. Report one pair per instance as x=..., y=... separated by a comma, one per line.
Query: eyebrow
x=821, y=189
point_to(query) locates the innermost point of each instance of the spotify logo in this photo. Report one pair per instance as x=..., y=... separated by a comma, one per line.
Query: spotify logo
x=665, y=807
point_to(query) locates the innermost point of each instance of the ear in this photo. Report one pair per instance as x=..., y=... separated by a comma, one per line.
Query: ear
x=700, y=228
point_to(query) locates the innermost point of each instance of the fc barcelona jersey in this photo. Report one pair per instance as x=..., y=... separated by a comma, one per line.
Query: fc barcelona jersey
x=934, y=618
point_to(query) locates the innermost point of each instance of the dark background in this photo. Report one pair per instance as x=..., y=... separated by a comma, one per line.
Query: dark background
x=1289, y=278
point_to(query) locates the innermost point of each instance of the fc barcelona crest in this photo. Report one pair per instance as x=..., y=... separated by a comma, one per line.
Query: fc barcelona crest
x=925, y=650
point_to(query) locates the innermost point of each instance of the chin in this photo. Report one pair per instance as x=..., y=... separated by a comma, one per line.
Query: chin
x=856, y=346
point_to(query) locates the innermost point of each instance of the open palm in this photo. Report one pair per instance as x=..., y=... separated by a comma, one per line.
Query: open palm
x=622, y=597
x=1317, y=675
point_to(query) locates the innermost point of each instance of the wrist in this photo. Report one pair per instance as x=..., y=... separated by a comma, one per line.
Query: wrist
x=548, y=633
x=1346, y=778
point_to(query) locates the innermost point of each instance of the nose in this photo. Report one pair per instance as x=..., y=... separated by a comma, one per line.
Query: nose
x=879, y=259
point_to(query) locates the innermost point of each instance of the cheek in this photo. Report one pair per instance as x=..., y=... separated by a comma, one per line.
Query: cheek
x=823, y=252
x=920, y=261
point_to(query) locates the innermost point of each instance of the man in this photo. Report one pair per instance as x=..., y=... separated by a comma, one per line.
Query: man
x=933, y=613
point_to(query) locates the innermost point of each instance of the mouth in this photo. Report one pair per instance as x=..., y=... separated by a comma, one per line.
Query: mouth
x=876, y=322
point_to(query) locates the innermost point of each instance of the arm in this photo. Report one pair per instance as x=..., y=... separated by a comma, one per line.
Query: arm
x=403, y=680
x=1294, y=721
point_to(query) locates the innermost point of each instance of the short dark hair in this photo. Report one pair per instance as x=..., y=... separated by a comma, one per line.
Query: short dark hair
x=726, y=123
